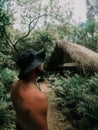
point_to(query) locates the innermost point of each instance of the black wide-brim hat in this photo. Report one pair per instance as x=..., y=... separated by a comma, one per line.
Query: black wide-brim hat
x=30, y=60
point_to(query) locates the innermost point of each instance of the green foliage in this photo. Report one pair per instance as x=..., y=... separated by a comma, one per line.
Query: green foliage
x=78, y=99
x=37, y=40
x=44, y=39
x=86, y=34
x=7, y=77
x=6, y=110
x=7, y=114
x=76, y=96
x=6, y=20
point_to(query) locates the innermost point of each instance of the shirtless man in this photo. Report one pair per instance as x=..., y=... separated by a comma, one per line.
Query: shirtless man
x=29, y=102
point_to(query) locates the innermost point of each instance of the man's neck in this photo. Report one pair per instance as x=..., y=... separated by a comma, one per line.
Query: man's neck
x=32, y=77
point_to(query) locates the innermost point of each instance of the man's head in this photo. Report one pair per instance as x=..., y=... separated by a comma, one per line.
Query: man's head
x=30, y=60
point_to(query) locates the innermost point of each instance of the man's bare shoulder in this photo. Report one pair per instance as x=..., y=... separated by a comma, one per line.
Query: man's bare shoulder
x=36, y=98
x=30, y=93
x=13, y=86
x=35, y=93
x=20, y=84
x=19, y=87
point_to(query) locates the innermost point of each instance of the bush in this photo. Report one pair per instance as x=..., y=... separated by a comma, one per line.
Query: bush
x=78, y=100
x=7, y=76
x=44, y=39
x=37, y=40
x=86, y=34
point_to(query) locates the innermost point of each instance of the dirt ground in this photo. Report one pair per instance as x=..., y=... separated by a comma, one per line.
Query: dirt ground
x=54, y=115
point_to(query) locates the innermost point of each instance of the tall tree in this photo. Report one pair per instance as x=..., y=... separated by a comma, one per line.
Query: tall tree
x=92, y=9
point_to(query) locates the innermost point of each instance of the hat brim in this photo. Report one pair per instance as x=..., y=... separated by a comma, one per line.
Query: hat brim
x=41, y=54
x=33, y=65
x=36, y=63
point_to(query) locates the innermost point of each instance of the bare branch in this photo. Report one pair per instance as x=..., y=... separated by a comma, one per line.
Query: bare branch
x=36, y=18
x=9, y=40
x=29, y=26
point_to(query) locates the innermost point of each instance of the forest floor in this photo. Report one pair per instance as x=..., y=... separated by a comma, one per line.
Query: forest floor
x=55, y=119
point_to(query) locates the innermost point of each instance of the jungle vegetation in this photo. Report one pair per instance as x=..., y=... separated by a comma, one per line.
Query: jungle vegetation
x=77, y=96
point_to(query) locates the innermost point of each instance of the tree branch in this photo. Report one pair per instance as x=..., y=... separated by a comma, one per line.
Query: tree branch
x=9, y=40
x=30, y=30
x=29, y=26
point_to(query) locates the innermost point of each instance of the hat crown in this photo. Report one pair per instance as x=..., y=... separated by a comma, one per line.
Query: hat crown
x=29, y=56
x=26, y=58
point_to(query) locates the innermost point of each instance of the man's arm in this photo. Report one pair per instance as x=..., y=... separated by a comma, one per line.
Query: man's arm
x=38, y=113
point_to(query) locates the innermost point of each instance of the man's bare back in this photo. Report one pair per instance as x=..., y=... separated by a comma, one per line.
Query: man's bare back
x=30, y=106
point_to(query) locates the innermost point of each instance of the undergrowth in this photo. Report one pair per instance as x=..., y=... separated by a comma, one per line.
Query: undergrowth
x=7, y=114
x=77, y=97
